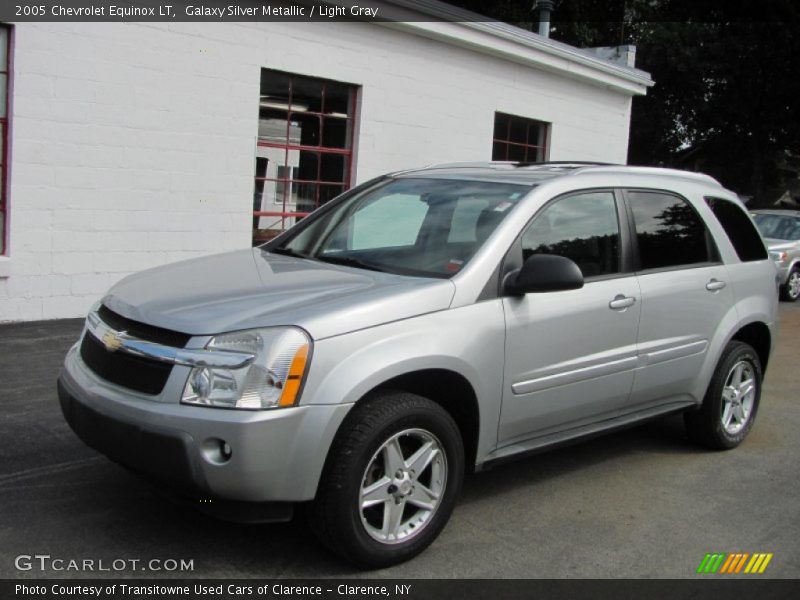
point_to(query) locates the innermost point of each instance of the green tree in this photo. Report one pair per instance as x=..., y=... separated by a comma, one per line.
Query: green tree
x=727, y=93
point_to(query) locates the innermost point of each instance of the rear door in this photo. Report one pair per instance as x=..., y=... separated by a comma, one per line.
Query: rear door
x=685, y=293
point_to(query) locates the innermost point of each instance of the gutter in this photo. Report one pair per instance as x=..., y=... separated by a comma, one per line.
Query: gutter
x=436, y=20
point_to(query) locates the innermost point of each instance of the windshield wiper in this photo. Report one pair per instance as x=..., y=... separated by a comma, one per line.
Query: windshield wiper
x=289, y=252
x=349, y=261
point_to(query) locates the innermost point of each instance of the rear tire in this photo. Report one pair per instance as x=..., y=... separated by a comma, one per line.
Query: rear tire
x=790, y=291
x=731, y=402
x=391, y=480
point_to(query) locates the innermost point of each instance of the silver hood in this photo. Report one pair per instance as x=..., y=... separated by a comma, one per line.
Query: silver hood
x=254, y=288
x=775, y=244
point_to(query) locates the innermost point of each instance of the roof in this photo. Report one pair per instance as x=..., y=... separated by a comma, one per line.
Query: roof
x=477, y=32
x=536, y=173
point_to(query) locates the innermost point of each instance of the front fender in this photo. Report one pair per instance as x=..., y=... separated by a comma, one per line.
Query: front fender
x=468, y=341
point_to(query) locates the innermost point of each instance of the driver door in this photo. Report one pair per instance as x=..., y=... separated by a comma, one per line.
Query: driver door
x=570, y=355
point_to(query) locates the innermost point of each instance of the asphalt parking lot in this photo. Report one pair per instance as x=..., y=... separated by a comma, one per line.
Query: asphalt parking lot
x=640, y=503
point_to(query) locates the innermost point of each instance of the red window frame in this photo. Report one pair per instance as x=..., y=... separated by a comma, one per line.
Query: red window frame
x=5, y=69
x=287, y=146
x=533, y=152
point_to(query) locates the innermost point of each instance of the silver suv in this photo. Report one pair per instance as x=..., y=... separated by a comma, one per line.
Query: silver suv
x=423, y=325
x=781, y=231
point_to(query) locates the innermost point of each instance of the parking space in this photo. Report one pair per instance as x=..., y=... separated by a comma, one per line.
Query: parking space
x=640, y=503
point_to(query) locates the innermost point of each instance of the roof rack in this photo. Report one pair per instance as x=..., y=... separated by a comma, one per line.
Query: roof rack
x=656, y=171
x=567, y=163
x=575, y=167
x=520, y=164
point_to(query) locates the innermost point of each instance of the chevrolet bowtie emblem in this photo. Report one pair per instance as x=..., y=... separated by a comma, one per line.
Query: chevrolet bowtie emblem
x=112, y=341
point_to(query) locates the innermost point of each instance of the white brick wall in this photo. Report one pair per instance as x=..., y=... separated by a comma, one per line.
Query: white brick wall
x=133, y=144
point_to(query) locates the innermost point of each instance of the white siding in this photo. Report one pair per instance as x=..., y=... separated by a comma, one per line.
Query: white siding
x=133, y=144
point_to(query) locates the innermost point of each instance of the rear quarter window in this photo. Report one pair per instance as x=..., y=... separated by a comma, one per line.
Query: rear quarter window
x=739, y=228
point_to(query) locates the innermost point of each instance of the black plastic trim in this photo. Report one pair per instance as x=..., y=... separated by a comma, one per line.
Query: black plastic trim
x=143, y=331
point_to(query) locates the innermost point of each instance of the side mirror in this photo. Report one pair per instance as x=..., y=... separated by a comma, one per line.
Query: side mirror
x=544, y=273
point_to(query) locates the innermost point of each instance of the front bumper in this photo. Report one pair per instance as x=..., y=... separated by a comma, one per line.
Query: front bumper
x=276, y=455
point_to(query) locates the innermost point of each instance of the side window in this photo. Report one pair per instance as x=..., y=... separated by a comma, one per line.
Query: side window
x=582, y=227
x=668, y=230
x=740, y=229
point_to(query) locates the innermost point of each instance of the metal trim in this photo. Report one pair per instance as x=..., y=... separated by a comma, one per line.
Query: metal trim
x=120, y=341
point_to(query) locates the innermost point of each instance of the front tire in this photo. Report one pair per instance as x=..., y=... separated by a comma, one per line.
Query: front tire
x=391, y=480
x=731, y=402
x=790, y=291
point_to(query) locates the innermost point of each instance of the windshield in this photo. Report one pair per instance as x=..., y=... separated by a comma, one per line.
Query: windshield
x=778, y=227
x=427, y=227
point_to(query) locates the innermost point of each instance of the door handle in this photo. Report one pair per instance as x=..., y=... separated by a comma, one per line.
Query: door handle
x=715, y=285
x=620, y=302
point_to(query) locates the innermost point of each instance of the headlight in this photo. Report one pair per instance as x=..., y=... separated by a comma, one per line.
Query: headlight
x=272, y=380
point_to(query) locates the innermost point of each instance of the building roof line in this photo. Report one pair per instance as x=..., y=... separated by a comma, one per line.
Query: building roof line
x=635, y=80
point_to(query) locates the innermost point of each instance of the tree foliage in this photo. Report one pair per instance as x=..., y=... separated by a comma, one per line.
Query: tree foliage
x=727, y=94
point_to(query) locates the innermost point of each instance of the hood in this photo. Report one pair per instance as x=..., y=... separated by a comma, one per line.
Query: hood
x=254, y=288
x=773, y=244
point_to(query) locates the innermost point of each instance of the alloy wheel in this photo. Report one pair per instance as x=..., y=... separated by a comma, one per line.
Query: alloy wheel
x=402, y=486
x=738, y=397
x=793, y=285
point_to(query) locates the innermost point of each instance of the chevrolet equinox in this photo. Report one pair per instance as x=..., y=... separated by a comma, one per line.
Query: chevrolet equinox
x=422, y=325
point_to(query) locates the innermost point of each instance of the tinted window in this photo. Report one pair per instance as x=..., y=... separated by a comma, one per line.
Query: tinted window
x=583, y=228
x=668, y=230
x=740, y=230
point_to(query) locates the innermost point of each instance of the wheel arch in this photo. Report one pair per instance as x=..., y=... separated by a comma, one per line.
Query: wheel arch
x=758, y=335
x=450, y=390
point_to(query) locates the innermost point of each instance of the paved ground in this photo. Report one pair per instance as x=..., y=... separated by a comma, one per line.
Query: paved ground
x=642, y=503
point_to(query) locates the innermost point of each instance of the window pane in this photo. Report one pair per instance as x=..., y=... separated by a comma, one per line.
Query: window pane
x=3, y=93
x=305, y=196
x=332, y=167
x=516, y=153
x=583, y=228
x=308, y=129
x=519, y=131
x=527, y=137
x=3, y=48
x=668, y=231
x=272, y=127
x=499, y=151
x=501, y=126
x=338, y=99
x=307, y=94
x=275, y=86
x=329, y=192
x=336, y=133
x=307, y=165
x=282, y=186
x=266, y=228
x=740, y=230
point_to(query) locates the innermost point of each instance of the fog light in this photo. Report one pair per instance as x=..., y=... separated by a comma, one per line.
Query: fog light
x=216, y=451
